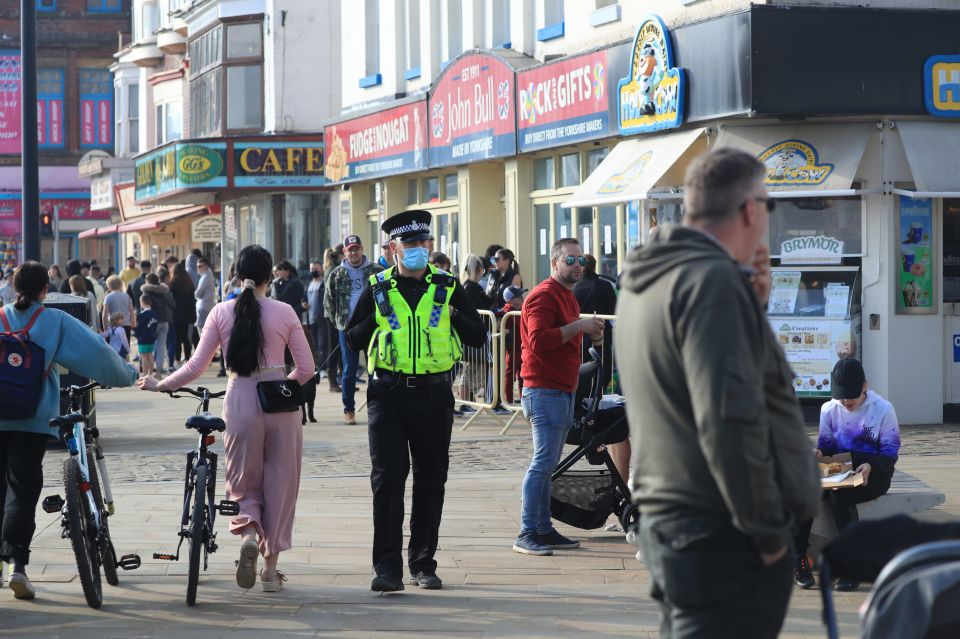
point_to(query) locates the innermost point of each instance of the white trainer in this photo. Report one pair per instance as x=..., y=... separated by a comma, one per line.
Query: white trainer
x=274, y=585
x=21, y=586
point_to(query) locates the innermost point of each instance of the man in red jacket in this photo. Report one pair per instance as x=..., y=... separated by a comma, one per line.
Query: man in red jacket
x=550, y=329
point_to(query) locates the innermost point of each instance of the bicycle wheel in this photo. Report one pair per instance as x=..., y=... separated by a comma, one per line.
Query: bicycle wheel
x=107, y=556
x=197, y=524
x=79, y=520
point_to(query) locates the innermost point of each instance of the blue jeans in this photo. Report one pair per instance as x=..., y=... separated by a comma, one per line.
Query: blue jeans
x=348, y=385
x=550, y=413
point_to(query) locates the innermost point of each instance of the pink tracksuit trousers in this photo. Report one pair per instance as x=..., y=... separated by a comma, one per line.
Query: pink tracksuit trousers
x=263, y=449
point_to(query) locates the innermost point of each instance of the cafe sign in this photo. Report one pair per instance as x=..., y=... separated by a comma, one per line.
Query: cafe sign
x=278, y=164
x=811, y=249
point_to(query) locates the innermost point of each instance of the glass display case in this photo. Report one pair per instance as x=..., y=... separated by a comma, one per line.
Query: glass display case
x=815, y=314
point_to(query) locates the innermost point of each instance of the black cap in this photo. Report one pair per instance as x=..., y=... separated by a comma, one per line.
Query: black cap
x=848, y=378
x=409, y=226
x=352, y=240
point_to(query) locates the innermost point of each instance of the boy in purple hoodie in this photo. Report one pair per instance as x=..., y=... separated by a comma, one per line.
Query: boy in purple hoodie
x=860, y=422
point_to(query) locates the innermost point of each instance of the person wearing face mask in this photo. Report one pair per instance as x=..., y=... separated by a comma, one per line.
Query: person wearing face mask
x=386, y=256
x=414, y=320
x=312, y=303
x=339, y=301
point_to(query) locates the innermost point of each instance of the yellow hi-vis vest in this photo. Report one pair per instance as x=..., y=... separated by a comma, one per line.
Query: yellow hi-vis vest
x=420, y=342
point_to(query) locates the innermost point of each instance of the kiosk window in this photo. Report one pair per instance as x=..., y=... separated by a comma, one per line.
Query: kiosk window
x=837, y=218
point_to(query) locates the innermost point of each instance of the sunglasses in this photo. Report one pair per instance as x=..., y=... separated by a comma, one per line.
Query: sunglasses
x=771, y=204
x=571, y=260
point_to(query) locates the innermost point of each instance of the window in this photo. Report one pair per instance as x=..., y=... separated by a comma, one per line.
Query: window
x=96, y=108
x=133, y=118
x=46, y=5
x=411, y=17
x=452, y=25
x=594, y=158
x=50, y=108
x=431, y=189
x=570, y=169
x=499, y=17
x=450, y=186
x=226, y=79
x=145, y=21
x=839, y=218
x=104, y=6
x=543, y=173
x=412, y=197
x=372, y=36
x=600, y=4
x=550, y=19
x=169, y=122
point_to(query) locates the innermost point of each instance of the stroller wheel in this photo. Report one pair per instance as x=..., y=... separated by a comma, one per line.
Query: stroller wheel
x=630, y=520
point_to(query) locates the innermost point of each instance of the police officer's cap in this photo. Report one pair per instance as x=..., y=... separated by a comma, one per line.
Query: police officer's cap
x=409, y=226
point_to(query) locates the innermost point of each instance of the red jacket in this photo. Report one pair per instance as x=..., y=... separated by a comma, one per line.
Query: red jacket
x=548, y=362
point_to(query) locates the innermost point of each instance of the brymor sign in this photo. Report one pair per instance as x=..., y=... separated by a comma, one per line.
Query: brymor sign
x=811, y=249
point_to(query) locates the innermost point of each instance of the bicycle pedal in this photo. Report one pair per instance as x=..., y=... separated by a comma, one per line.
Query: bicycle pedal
x=165, y=557
x=129, y=562
x=53, y=504
x=228, y=508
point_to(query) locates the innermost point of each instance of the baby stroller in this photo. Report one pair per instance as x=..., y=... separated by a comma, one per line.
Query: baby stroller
x=915, y=575
x=586, y=498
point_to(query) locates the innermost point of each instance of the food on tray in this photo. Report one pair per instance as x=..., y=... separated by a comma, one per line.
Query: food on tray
x=835, y=468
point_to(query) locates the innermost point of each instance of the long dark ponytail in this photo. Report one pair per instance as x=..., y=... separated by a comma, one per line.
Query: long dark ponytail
x=245, y=347
x=30, y=281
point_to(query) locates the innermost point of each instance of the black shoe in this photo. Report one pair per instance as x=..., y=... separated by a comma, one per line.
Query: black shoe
x=803, y=573
x=383, y=583
x=310, y=416
x=426, y=580
x=222, y=373
x=845, y=585
x=557, y=541
x=335, y=388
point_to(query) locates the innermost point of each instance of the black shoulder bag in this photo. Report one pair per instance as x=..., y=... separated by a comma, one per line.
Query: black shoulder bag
x=280, y=396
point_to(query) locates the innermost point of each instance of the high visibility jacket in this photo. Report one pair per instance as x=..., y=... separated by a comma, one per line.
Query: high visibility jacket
x=413, y=342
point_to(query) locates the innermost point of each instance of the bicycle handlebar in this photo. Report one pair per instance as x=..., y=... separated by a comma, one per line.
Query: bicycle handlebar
x=81, y=390
x=199, y=393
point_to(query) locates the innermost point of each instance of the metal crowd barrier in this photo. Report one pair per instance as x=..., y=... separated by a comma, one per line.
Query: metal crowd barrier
x=476, y=383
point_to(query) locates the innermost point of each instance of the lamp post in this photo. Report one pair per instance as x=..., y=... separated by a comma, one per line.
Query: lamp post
x=30, y=197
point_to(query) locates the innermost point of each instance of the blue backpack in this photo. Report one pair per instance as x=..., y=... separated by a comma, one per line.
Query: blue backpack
x=22, y=370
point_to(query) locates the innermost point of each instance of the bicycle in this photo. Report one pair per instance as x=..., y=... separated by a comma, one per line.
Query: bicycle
x=199, y=514
x=84, y=513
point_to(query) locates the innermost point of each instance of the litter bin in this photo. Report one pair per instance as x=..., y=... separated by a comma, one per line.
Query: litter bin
x=79, y=308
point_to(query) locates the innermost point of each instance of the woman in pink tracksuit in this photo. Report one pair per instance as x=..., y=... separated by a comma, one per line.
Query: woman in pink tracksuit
x=263, y=449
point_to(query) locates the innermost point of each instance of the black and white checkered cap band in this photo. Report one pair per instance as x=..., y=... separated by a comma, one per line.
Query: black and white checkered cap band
x=413, y=227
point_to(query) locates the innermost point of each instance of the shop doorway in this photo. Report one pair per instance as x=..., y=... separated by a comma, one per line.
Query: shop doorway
x=951, y=308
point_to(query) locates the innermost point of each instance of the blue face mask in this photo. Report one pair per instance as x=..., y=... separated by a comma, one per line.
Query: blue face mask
x=415, y=259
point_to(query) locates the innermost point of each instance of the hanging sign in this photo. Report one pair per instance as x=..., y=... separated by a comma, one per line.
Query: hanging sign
x=205, y=229
x=384, y=143
x=564, y=102
x=471, y=112
x=652, y=96
x=9, y=102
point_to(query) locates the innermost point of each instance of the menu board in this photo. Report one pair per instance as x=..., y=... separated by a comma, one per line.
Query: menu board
x=812, y=348
x=783, y=294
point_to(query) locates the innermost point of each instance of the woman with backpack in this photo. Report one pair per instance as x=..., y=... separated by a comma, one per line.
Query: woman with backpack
x=263, y=450
x=63, y=340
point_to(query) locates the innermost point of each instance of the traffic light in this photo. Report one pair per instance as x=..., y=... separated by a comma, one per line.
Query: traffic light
x=46, y=224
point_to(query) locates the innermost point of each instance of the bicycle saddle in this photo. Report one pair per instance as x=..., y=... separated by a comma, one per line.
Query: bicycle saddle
x=206, y=423
x=66, y=421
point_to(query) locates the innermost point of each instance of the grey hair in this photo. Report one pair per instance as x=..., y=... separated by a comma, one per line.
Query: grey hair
x=717, y=183
x=472, y=264
x=559, y=244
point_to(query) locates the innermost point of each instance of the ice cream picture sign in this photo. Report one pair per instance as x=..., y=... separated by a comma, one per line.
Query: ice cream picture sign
x=915, y=280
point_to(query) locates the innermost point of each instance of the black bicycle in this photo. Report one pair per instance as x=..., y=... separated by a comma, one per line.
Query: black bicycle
x=199, y=487
x=84, y=512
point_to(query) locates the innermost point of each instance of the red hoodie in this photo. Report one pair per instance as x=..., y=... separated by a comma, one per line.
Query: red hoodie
x=548, y=362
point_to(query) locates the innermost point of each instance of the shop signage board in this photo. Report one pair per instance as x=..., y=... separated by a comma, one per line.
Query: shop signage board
x=794, y=163
x=653, y=94
x=180, y=166
x=389, y=142
x=566, y=101
x=472, y=111
x=278, y=164
x=812, y=348
x=916, y=292
x=206, y=229
x=9, y=102
x=102, y=195
x=941, y=86
x=811, y=249
x=71, y=207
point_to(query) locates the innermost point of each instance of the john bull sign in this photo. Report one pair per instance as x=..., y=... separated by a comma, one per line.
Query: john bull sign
x=652, y=96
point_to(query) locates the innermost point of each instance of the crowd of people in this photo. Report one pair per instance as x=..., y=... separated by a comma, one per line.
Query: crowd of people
x=717, y=458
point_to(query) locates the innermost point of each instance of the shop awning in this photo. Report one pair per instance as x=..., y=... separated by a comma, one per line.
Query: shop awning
x=149, y=223
x=635, y=166
x=804, y=160
x=99, y=231
x=933, y=153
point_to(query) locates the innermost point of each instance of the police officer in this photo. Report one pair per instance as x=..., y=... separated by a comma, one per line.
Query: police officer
x=414, y=320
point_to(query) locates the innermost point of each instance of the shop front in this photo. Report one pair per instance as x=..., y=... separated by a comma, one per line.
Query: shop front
x=265, y=190
x=105, y=173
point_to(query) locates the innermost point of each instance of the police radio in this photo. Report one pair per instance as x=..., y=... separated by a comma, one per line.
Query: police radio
x=380, y=297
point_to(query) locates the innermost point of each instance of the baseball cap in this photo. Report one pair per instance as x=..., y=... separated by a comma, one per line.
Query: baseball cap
x=513, y=292
x=352, y=240
x=847, y=379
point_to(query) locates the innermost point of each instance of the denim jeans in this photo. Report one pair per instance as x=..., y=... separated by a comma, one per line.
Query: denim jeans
x=349, y=384
x=160, y=352
x=550, y=413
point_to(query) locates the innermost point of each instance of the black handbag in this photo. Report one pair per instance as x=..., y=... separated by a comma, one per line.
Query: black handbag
x=280, y=396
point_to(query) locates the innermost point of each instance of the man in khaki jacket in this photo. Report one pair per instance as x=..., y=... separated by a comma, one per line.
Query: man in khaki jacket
x=720, y=465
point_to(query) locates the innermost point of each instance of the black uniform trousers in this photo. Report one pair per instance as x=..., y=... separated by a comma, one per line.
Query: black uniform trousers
x=21, y=481
x=408, y=423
